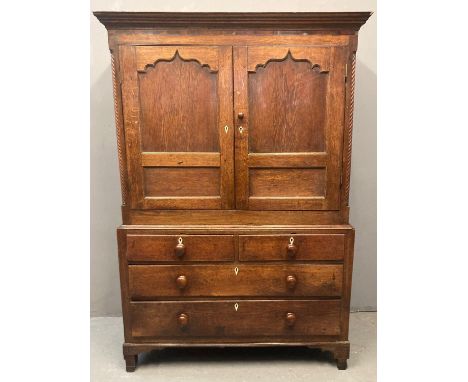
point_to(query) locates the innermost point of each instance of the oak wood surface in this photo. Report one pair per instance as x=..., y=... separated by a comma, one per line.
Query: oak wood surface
x=287, y=182
x=162, y=281
x=234, y=135
x=274, y=247
x=184, y=182
x=220, y=318
x=233, y=217
x=161, y=120
x=197, y=247
x=289, y=99
x=351, y=21
x=180, y=159
x=168, y=117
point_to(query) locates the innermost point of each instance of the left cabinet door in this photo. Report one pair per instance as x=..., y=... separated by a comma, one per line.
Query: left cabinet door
x=177, y=111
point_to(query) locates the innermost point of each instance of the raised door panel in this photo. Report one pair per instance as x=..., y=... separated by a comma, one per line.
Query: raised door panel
x=289, y=102
x=177, y=105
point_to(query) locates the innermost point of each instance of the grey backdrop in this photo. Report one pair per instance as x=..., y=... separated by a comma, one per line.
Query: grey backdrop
x=105, y=184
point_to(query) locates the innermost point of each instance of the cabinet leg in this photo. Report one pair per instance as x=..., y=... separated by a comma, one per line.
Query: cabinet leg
x=342, y=364
x=131, y=362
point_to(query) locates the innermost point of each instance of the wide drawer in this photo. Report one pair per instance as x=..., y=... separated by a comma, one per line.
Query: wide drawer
x=180, y=248
x=152, y=281
x=291, y=247
x=230, y=318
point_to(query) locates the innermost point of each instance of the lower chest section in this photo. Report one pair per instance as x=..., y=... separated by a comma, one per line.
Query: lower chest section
x=235, y=285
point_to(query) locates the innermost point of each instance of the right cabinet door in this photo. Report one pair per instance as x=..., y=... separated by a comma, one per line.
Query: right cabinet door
x=289, y=107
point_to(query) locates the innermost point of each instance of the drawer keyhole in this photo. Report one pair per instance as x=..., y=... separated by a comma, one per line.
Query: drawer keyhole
x=236, y=306
x=236, y=270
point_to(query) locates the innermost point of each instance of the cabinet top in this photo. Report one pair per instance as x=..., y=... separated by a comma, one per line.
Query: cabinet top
x=350, y=21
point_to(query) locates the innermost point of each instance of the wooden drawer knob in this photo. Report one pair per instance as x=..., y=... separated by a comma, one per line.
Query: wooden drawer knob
x=181, y=282
x=180, y=248
x=290, y=319
x=291, y=281
x=182, y=319
x=292, y=248
x=240, y=115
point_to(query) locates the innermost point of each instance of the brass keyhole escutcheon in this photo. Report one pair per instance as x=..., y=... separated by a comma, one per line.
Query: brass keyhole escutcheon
x=291, y=248
x=180, y=248
x=236, y=270
x=236, y=306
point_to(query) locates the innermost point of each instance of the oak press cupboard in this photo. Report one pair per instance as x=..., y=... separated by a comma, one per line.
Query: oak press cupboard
x=234, y=143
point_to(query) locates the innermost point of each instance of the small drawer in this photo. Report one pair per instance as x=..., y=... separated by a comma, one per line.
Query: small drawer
x=255, y=319
x=154, y=281
x=291, y=247
x=180, y=248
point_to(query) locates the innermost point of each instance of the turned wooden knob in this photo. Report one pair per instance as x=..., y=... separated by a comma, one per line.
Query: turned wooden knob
x=291, y=281
x=292, y=248
x=182, y=319
x=240, y=115
x=181, y=281
x=290, y=319
x=180, y=248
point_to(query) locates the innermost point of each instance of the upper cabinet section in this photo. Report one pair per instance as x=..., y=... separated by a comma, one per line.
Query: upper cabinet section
x=246, y=111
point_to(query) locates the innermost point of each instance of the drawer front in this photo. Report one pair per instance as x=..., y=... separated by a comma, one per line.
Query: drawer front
x=180, y=248
x=291, y=247
x=245, y=318
x=150, y=281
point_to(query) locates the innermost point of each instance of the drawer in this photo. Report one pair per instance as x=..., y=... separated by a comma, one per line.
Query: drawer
x=180, y=248
x=152, y=281
x=291, y=247
x=231, y=318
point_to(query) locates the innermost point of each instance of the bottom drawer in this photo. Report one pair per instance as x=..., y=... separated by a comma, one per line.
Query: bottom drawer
x=231, y=318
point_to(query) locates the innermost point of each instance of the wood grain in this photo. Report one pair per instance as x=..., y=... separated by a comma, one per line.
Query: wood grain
x=234, y=135
x=119, y=127
x=168, y=117
x=314, y=21
x=163, y=159
x=287, y=182
x=287, y=108
x=287, y=160
x=149, y=56
x=183, y=182
x=159, y=281
x=217, y=319
x=273, y=247
x=198, y=248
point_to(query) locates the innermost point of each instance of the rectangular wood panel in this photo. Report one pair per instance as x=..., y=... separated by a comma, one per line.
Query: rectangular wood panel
x=291, y=182
x=253, y=318
x=274, y=247
x=287, y=160
x=182, y=182
x=149, y=159
x=153, y=281
x=197, y=247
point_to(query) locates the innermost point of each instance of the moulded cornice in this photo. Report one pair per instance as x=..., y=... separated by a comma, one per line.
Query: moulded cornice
x=349, y=21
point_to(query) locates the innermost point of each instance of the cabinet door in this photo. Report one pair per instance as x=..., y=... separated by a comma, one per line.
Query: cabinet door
x=177, y=107
x=289, y=106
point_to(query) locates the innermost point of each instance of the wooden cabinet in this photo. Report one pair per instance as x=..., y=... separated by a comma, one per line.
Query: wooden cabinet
x=234, y=141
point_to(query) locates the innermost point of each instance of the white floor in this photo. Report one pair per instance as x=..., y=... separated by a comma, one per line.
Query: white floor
x=233, y=364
